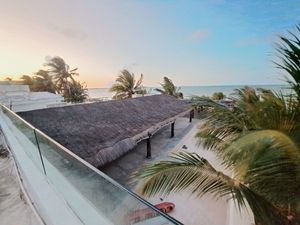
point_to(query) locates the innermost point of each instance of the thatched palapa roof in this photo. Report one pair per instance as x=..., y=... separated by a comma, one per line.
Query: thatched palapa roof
x=103, y=131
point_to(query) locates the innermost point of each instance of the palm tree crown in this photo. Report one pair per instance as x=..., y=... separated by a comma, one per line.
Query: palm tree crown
x=77, y=92
x=27, y=80
x=126, y=86
x=43, y=82
x=61, y=73
x=168, y=88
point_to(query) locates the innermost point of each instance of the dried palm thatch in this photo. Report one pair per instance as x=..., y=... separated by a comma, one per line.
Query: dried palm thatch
x=103, y=131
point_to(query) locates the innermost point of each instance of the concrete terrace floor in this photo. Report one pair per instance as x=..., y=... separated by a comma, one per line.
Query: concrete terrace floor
x=161, y=145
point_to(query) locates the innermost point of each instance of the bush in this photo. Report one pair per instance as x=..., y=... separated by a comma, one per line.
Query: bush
x=76, y=93
x=218, y=96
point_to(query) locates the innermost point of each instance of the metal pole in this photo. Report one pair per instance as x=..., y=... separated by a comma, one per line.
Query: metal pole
x=191, y=115
x=172, y=129
x=38, y=146
x=149, y=146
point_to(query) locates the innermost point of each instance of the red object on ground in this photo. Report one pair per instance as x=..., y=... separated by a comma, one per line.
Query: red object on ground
x=166, y=207
x=143, y=214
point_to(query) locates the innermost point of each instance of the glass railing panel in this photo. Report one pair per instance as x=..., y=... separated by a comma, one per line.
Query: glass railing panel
x=25, y=135
x=101, y=193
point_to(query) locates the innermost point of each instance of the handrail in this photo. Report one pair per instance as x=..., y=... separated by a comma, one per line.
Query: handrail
x=16, y=115
x=115, y=183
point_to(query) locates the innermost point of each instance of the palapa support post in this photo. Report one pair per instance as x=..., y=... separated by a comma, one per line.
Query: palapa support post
x=149, y=146
x=191, y=115
x=172, y=129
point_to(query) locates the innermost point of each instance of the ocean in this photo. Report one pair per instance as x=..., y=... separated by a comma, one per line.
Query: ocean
x=189, y=91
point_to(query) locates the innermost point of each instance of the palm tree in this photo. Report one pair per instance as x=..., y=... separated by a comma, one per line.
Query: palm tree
x=126, y=86
x=168, y=88
x=27, y=80
x=218, y=96
x=8, y=79
x=77, y=93
x=289, y=53
x=61, y=73
x=255, y=141
x=43, y=82
x=258, y=140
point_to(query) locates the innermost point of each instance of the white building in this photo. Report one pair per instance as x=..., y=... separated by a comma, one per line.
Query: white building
x=19, y=98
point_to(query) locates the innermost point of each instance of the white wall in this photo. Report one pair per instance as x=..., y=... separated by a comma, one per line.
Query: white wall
x=4, y=88
x=20, y=99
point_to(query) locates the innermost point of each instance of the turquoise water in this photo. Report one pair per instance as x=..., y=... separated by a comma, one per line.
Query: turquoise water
x=192, y=90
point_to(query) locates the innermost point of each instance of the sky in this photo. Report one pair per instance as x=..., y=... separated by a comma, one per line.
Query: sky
x=205, y=42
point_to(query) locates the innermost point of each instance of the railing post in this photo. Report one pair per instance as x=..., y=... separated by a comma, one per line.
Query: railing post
x=148, y=156
x=191, y=115
x=38, y=146
x=172, y=129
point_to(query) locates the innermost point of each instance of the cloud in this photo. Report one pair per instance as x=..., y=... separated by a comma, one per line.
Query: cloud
x=199, y=35
x=71, y=32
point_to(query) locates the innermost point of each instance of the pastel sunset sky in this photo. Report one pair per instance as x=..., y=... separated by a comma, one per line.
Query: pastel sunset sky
x=209, y=42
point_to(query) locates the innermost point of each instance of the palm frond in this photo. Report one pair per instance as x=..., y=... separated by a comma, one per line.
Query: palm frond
x=261, y=158
x=160, y=90
x=189, y=171
x=138, y=84
x=289, y=55
x=222, y=127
